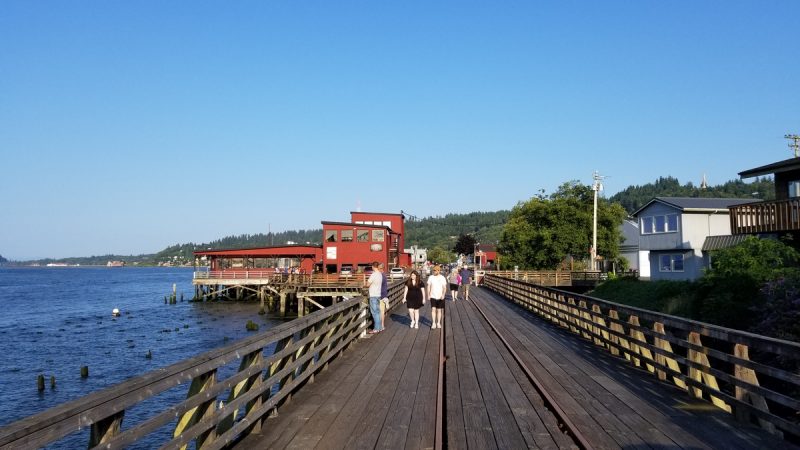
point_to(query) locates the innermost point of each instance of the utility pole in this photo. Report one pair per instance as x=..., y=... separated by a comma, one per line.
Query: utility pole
x=597, y=186
x=795, y=144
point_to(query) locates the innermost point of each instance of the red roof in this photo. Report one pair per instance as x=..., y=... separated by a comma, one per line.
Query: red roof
x=278, y=250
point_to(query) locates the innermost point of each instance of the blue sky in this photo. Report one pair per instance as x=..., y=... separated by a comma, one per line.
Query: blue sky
x=126, y=127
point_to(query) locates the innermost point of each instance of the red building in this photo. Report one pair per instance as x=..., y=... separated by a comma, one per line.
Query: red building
x=350, y=245
x=306, y=258
x=486, y=256
x=366, y=238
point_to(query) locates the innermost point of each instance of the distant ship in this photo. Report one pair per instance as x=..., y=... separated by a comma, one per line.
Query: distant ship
x=115, y=264
x=57, y=265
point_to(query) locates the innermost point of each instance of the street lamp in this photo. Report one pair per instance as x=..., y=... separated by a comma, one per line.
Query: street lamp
x=597, y=186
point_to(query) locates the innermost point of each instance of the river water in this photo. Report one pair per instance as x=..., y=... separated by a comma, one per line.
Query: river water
x=55, y=320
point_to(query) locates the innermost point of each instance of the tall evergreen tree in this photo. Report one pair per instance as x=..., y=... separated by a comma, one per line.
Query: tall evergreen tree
x=465, y=244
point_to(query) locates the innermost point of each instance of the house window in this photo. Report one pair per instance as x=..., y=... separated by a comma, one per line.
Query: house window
x=378, y=235
x=362, y=235
x=347, y=235
x=672, y=222
x=794, y=189
x=667, y=223
x=670, y=263
x=330, y=235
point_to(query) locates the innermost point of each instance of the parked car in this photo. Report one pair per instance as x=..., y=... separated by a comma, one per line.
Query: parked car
x=397, y=272
x=346, y=271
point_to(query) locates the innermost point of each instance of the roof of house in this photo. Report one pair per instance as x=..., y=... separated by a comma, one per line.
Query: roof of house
x=698, y=204
x=723, y=241
x=776, y=167
x=273, y=250
x=377, y=213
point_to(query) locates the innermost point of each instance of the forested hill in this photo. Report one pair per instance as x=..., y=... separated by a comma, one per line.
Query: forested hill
x=428, y=232
x=634, y=197
x=439, y=231
x=184, y=251
x=443, y=231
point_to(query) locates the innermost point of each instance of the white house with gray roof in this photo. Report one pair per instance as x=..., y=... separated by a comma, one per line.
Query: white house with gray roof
x=673, y=230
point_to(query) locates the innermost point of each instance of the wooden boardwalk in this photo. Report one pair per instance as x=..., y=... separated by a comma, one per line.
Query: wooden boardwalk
x=382, y=392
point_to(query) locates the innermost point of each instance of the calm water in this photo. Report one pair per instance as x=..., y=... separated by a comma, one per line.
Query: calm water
x=55, y=320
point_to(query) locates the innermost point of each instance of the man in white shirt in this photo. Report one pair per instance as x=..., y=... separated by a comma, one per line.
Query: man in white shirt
x=374, y=283
x=437, y=290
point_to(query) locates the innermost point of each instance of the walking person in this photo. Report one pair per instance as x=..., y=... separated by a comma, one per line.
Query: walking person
x=437, y=290
x=384, y=304
x=465, y=279
x=374, y=284
x=414, y=297
x=453, y=280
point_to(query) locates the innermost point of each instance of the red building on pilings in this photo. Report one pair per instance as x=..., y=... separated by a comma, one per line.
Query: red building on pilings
x=350, y=245
x=366, y=238
x=303, y=258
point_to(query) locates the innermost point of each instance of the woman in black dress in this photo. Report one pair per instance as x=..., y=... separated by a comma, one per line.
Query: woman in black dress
x=414, y=297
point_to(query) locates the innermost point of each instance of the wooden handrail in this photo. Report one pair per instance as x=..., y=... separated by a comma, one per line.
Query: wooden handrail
x=747, y=374
x=297, y=351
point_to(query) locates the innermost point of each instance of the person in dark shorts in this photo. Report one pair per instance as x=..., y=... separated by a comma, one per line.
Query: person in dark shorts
x=414, y=297
x=454, y=282
x=437, y=290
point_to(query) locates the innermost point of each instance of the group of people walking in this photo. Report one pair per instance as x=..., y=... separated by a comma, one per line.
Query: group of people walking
x=416, y=294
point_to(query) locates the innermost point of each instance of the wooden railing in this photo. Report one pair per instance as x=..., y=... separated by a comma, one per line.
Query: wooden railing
x=542, y=278
x=755, y=377
x=239, y=274
x=765, y=217
x=242, y=276
x=223, y=403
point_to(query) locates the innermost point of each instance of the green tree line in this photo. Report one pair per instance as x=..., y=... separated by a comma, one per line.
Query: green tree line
x=634, y=197
x=439, y=234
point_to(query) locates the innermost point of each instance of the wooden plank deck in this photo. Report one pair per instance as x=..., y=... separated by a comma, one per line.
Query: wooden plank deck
x=381, y=393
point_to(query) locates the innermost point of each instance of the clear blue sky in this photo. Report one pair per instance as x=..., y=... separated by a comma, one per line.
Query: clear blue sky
x=126, y=127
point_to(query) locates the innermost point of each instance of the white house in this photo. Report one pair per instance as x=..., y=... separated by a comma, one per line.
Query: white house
x=672, y=231
x=629, y=248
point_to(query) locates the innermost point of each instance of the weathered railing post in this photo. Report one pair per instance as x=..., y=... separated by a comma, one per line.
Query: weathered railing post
x=278, y=365
x=584, y=322
x=742, y=394
x=701, y=376
x=598, y=319
x=105, y=429
x=663, y=360
x=249, y=360
x=199, y=384
x=637, y=335
x=573, y=319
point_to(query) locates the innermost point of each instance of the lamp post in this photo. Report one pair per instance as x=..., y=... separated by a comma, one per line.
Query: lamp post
x=596, y=187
